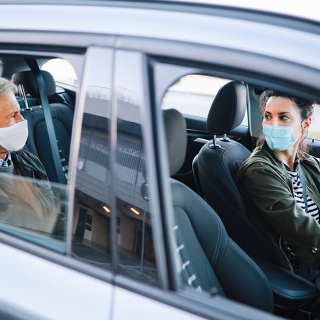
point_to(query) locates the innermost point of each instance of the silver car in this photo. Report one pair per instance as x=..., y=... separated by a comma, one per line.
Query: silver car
x=128, y=241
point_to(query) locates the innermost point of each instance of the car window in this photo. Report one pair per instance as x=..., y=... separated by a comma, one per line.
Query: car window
x=62, y=71
x=193, y=95
x=33, y=201
x=33, y=210
x=314, y=130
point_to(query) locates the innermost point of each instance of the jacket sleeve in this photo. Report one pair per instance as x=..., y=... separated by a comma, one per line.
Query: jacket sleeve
x=271, y=195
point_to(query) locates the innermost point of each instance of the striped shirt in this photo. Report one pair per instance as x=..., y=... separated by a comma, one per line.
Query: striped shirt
x=5, y=163
x=297, y=190
x=313, y=210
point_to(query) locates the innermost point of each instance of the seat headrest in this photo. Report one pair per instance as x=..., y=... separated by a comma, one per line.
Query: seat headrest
x=28, y=80
x=228, y=108
x=176, y=136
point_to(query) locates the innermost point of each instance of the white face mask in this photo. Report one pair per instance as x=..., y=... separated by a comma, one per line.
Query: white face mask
x=14, y=138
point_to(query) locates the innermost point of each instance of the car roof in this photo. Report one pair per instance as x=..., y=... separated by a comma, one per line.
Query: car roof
x=301, y=9
x=307, y=9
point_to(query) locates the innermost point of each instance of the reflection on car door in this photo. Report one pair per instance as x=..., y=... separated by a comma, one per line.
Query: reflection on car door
x=50, y=284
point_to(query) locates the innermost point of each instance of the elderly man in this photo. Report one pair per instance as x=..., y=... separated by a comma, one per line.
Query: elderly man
x=26, y=197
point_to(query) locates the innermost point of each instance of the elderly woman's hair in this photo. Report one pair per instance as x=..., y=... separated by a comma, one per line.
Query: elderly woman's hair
x=305, y=108
x=7, y=86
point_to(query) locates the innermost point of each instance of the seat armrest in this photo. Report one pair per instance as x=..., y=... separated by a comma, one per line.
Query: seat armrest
x=289, y=289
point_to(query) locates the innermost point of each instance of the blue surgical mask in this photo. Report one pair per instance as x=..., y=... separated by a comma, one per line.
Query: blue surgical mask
x=280, y=138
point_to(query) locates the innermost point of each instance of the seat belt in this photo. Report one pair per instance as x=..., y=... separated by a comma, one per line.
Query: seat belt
x=33, y=65
x=304, y=191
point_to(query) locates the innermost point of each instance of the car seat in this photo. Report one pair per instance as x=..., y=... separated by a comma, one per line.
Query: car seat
x=62, y=116
x=217, y=163
x=210, y=260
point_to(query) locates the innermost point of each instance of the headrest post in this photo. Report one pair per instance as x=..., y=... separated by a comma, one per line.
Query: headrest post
x=28, y=80
x=225, y=138
x=24, y=97
x=214, y=145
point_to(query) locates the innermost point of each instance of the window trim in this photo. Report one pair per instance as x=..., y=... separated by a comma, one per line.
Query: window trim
x=147, y=133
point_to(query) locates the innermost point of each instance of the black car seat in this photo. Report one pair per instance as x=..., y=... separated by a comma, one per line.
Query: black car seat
x=209, y=258
x=216, y=164
x=62, y=115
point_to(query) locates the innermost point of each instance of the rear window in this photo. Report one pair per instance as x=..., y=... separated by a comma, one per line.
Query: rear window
x=62, y=71
x=314, y=130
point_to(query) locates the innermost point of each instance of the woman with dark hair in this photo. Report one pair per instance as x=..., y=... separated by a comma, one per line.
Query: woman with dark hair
x=280, y=182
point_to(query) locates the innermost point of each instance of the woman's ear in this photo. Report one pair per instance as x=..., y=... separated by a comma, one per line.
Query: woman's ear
x=307, y=123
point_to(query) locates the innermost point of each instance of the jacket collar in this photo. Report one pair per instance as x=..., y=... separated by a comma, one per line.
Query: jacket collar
x=265, y=151
x=22, y=165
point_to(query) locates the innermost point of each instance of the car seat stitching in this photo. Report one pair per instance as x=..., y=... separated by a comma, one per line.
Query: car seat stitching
x=183, y=242
x=213, y=215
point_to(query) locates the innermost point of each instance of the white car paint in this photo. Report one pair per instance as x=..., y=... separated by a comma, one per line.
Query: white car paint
x=169, y=25
x=49, y=290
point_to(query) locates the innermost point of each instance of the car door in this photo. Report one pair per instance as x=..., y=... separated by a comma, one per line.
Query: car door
x=44, y=276
x=147, y=280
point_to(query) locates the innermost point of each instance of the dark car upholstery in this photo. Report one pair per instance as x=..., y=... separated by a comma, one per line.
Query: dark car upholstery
x=209, y=258
x=215, y=167
x=62, y=116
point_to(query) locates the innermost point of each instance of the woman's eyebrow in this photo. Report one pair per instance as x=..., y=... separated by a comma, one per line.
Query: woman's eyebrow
x=286, y=112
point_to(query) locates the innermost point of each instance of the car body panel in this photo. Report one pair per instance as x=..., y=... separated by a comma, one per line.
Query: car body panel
x=198, y=28
x=149, y=308
x=49, y=290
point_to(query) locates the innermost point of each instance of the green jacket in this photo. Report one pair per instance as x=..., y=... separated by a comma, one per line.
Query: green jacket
x=267, y=191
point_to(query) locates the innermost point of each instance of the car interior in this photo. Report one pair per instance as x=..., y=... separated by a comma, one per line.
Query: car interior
x=91, y=219
x=212, y=163
x=221, y=251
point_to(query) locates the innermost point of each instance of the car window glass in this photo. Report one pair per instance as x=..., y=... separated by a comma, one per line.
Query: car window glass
x=193, y=95
x=33, y=205
x=92, y=203
x=33, y=210
x=62, y=71
x=136, y=251
x=314, y=130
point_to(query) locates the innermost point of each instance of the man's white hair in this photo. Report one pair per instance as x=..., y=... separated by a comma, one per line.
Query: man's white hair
x=7, y=86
